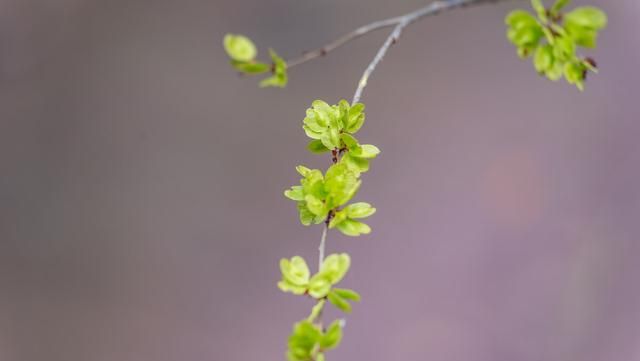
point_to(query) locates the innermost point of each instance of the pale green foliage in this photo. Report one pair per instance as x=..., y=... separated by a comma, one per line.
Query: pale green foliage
x=549, y=35
x=243, y=52
x=345, y=219
x=239, y=47
x=553, y=37
x=308, y=341
x=295, y=275
x=326, y=123
x=318, y=194
x=279, y=77
x=319, y=197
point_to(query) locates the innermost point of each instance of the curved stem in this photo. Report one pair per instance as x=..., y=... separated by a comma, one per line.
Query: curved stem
x=400, y=22
x=313, y=54
x=403, y=21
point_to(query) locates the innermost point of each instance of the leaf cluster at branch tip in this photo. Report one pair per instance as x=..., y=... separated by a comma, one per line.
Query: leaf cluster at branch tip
x=308, y=341
x=243, y=52
x=320, y=196
x=552, y=38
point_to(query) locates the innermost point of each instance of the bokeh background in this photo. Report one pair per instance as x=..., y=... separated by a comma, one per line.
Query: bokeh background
x=141, y=207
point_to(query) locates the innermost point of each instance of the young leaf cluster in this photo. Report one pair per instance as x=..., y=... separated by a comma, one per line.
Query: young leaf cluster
x=324, y=198
x=243, y=52
x=553, y=37
x=320, y=196
x=308, y=340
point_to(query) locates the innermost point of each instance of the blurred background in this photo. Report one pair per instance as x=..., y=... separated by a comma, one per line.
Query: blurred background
x=141, y=207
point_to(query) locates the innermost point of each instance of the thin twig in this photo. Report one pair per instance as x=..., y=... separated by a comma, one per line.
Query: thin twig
x=310, y=55
x=323, y=240
x=403, y=21
x=400, y=22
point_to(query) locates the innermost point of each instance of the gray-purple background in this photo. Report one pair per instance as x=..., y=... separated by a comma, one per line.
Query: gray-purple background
x=141, y=207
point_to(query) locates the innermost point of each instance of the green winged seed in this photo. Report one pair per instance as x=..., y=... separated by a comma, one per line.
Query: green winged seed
x=355, y=164
x=239, y=47
x=366, y=151
x=335, y=267
x=587, y=16
x=295, y=193
x=316, y=146
x=315, y=205
x=303, y=341
x=295, y=275
x=359, y=210
x=353, y=228
x=350, y=141
x=518, y=19
x=543, y=59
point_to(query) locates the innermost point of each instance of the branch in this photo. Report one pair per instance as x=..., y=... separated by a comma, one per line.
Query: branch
x=431, y=9
x=323, y=240
x=403, y=21
x=363, y=30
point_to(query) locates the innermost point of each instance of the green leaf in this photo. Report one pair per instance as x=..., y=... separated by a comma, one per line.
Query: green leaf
x=564, y=48
x=303, y=341
x=359, y=210
x=556, y=71
x=355, y=118
x=341, y=184
x=526, y=36
x=518, y=19
x=367, y=151
x=279, y=77
x=347, y=294
x=588, y=17
x=239, y=47
x=349, y=141
x=319, y=285
x=295, y=275
x=575, y=72
x=316, y=146
x=353, y=228
x=315, y=205
x=585, y=37
x=250, y=67
x=338, y=217
x=335, y=266
x=295, y=193
x=339, y=302
x=355, y=164
x=332, y=337
x=306, y=217
x=543, y=59
x=302, y=170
